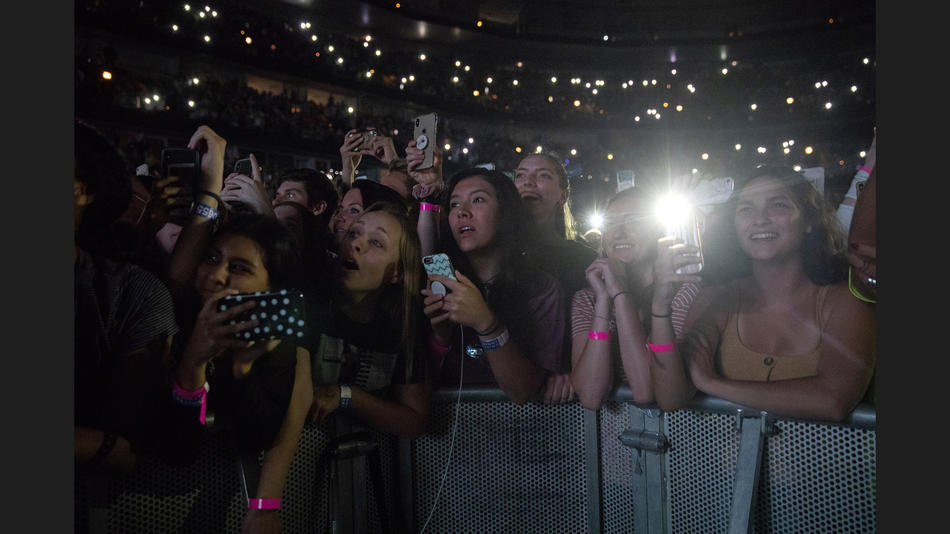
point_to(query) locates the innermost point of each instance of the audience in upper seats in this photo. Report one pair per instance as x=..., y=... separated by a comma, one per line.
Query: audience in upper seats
x=636, y=301
x=783, y=334
x=510, y=312
x=544, y=187
x=260, y=388
x=124, y=320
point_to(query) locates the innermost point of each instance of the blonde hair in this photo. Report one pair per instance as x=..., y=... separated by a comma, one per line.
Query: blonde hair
x=563, y=219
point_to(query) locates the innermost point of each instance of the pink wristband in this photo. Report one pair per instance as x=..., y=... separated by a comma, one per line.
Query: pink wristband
x=200, y=393
x=865, y=169
x=263, y=504
x=425, y=206
x=593, y=334
x=666, y=347
x=438, y=349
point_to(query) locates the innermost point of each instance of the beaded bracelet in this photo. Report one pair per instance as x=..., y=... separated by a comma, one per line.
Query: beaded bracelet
x=594, y=334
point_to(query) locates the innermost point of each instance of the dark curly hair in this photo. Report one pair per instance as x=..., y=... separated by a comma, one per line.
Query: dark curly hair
x=279, y=249
x=319, y=187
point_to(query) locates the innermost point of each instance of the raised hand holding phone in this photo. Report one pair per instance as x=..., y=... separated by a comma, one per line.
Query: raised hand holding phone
x=211, y=146
x=244, y=187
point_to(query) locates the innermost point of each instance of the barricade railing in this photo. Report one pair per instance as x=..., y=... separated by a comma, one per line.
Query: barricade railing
x=501, y=467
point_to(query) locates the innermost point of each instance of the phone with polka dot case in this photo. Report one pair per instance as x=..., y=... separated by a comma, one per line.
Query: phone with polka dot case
x=280, y=314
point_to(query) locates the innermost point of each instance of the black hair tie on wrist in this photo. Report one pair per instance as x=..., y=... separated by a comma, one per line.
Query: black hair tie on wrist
x=210, y=194
x=658, y=316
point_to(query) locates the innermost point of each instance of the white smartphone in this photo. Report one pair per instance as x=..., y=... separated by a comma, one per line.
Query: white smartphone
x=424, y=132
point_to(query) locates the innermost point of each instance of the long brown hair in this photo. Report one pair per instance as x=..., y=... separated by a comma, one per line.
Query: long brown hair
x=401, y=303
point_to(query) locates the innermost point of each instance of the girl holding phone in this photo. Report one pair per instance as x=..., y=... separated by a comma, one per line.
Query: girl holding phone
x=511, y=313
x=783, y=333
x=262, y=389
x=635, y=302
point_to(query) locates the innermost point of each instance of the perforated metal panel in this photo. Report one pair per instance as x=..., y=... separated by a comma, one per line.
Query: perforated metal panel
x=818, y=478
x=206, y=497
x=701, y=464
x=617, y=466
x=514, y=469
x=521, y=469
x=815, y=478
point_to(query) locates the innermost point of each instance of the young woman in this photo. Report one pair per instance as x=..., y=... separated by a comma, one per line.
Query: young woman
x=542, y=182
x=511, y=312
x=786, y=336
x=544, y=188
x=368, y=363
x=260, y=389
x=635, y=301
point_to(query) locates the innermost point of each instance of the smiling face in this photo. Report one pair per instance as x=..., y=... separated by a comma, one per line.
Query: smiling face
x=231, y=262
x=768, y=222
x=473, y=214
x=369, y=253
x=539, y=185
x=630, y=230
x=350, y=208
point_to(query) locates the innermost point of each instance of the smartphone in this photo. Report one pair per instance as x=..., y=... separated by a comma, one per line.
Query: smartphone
x=367, y=142
x=424, y=132
x=439, y=264
x=280, y=314
x=182, y=162
x=244, y=166
x=690, y=233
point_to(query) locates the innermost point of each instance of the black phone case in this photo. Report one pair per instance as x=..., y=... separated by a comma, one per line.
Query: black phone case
x=244, y=166
x=182, y=162
x=280, y=314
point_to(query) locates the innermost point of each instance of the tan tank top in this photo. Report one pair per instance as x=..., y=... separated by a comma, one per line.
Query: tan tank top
x=738, y=362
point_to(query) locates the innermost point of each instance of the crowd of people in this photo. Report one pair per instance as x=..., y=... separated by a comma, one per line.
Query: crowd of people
x=773, y=309
x=526, y=115
x=780, y=317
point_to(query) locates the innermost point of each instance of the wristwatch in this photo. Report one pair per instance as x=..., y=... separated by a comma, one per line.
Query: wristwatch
x=346, y=395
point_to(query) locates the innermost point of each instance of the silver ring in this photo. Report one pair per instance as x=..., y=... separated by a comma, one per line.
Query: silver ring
x=872, y=282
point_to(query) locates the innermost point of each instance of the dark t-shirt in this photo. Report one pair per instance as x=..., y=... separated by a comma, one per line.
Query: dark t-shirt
x=566, y=260
x=539, y=334
x=256, y=404
x=369, y=356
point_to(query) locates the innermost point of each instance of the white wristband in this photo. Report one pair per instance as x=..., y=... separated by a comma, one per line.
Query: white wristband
x=856, y=183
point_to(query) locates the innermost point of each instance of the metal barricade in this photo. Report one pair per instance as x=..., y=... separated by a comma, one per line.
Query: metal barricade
x=715, y=467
